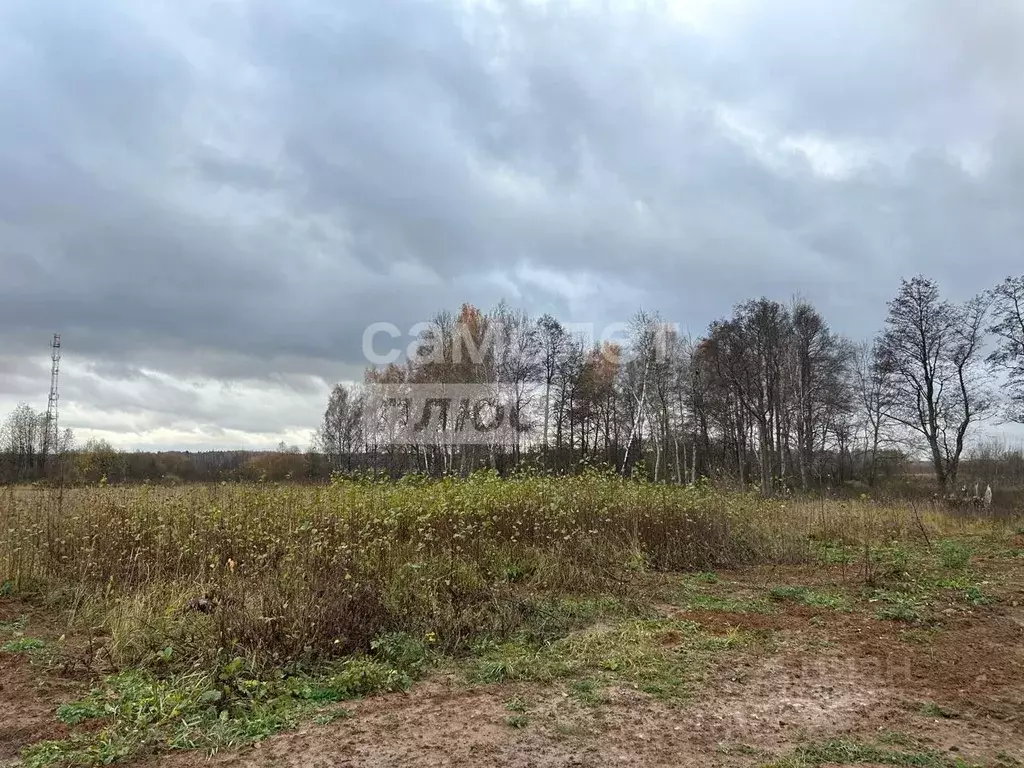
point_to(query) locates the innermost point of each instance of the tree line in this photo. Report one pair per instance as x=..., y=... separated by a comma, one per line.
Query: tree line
x=768, y=396
x=23, y=460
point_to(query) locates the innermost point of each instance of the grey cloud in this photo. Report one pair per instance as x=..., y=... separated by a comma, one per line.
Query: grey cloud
x=234, y=191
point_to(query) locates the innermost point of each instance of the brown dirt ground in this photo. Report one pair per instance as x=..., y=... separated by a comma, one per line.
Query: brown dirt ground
x=29, y=696
x=820, y=675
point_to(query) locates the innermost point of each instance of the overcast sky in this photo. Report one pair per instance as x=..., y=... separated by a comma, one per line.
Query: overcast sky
x=211, y=200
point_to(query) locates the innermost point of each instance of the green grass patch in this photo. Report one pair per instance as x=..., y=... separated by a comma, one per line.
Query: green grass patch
x=517, y=721
x=895, y=561
x=811, y=597
x=700, y=601
x=912, y=597
x=662, y=657
x=737, y=749
x=326, y=718
x=896, y=739
x=832, y=552
x=953, y=554
x=23, y=645
x=898, y=606
x=705, y=577
x=516, y=704
x=974, y=595
x=844, y=752
x=213, y=710
x=588, y=692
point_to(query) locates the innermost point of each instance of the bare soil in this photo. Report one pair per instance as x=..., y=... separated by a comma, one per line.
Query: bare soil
x=29, y=695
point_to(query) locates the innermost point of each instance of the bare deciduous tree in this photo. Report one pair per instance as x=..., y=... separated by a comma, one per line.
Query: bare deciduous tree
x=21, y=441
x=1008, y=328
x=820, y=390
x=340, y=432
x=932, y=350
x=552, y=340
x=875, y=401
x=750, y=355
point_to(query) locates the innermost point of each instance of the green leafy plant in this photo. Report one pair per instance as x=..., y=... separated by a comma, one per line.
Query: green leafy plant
x=516, y=704
x=517, y=721
x=953, y=555
x=726, y=604
x=810, y=597
x=79, y=711
x=23, y=645
x=207, y=710
x=975, y=596
x=898, y=606
x=663, y=657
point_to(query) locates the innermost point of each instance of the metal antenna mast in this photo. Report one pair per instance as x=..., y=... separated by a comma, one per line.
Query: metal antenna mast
x=51, y=440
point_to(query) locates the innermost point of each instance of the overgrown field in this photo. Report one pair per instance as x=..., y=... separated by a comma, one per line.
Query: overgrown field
x=217, y=615
x=298, y=572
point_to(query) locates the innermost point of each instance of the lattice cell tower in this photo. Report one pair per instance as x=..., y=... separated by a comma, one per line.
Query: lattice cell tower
x=51, y=440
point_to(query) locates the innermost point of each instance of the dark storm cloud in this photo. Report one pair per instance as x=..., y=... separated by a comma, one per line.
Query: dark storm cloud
x=235, y=190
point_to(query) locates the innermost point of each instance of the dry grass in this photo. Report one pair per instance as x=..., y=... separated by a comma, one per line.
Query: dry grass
x=228, y=613
x=286, y=573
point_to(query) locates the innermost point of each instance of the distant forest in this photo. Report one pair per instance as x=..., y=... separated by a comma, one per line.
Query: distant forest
x=768, y=397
